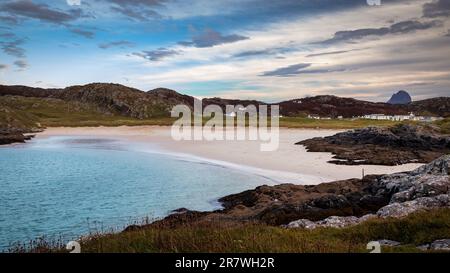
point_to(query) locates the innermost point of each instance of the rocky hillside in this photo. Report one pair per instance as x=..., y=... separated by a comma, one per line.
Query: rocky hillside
x=115, y=98
x=434, y=106
x=110, y=98
x=395, y=145
x=22, y=107
x=332, y=106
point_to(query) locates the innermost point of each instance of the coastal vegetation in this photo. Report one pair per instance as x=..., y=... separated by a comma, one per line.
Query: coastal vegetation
x=412, y=231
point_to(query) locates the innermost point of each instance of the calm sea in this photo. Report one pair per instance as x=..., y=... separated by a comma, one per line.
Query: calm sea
x=65, y=187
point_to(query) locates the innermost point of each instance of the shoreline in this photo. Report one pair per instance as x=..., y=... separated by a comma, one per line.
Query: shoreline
x=289, y=164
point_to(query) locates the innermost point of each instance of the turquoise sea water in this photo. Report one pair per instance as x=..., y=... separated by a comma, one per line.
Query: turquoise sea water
x=65, y=187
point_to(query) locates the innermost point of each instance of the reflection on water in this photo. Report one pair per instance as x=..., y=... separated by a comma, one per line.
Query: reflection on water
x=65, y=186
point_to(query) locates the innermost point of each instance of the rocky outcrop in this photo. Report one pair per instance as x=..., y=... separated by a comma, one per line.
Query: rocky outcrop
x=332, y=221
x=397, y=210
x=425, y=188
x=336, y=204
x=395, y=145
x=15, y=127
x=438, y=245
x=14, y=138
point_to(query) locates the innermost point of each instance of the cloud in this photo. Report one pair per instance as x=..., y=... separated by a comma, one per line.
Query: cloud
x=13, y=48
x=141, y=10
x=121, y=44
x=287, y=71
x=210, y=38
x=328, y=53
x=7, y=35
x=73, y=2
x=27, y=8
x=85, y=33
x=264, y=52
x=21, y=64
x=397, y=28
x=297, y=69
x=3, y=66
x=439, y=8
x=251, y=53
x=11, y=20
x=156, y=55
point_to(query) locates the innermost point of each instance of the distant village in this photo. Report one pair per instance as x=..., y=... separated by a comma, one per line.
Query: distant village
x=411, y=117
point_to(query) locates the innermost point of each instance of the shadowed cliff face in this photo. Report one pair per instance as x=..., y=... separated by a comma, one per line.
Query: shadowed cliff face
x=395, y=145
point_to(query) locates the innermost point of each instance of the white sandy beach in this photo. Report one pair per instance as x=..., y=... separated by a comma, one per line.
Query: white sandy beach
x=289, y=164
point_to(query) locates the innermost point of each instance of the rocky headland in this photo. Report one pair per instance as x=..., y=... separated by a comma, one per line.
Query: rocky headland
x=336, y=204
x=14, y=137
x=15, y=128
x=400, y=144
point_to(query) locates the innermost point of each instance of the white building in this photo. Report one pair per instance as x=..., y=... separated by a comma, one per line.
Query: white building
x=411, y=116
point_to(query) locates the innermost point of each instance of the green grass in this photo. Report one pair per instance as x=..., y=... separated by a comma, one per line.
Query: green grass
x=414, y=230
x=444, y=125
x=57, y=113
x=300, y=122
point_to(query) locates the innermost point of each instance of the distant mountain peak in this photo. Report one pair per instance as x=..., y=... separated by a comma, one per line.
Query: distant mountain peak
x=401, y=97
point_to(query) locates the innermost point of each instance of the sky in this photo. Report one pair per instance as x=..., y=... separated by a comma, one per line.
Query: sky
x=245, y=49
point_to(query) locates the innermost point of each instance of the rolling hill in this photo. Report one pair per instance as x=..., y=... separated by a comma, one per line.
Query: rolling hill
x=26, y=109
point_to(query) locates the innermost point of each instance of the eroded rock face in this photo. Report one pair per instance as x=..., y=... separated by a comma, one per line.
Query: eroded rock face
x=383, y=146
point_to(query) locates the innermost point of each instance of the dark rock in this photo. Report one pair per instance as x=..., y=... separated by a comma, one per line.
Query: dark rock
x=395, y=145
x=385, y=242
x=12, y=138
x=132, y=228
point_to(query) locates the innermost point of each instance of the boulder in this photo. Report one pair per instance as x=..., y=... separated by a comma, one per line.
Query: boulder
x=424, y=203
x=438, y=245
x=386, y=242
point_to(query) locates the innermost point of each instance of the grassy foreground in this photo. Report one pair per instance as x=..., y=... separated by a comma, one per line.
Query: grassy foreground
x=414, y=230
